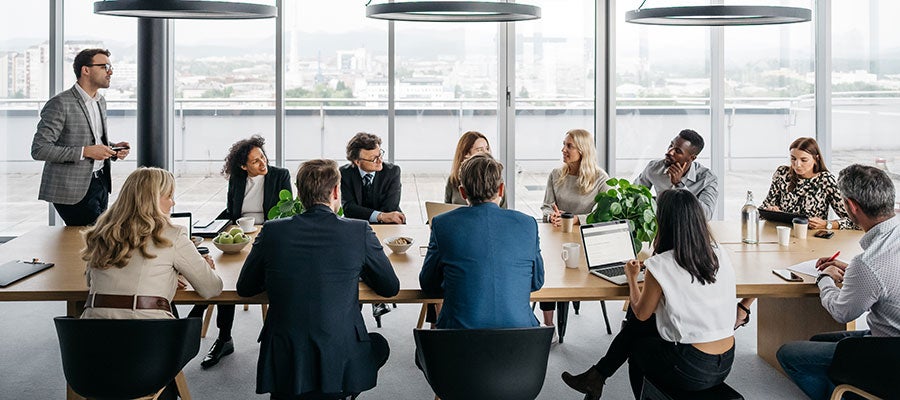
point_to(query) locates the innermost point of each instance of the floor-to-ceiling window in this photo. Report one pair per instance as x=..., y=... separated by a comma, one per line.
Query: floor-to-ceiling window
x=24, y=87
x=866, y=86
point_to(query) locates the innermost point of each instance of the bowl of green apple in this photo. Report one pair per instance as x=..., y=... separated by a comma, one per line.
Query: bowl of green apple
x=231, y=241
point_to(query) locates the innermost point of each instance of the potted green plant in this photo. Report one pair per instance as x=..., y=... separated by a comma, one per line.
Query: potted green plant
x=289, y=206
x=627, y=201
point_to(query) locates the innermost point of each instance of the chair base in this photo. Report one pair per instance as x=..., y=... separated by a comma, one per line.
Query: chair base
x=721, y=391
x=840, y=390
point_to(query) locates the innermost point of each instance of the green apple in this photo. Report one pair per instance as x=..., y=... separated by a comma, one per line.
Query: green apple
x=241, y=238
x=236, y=232
x=225, y=238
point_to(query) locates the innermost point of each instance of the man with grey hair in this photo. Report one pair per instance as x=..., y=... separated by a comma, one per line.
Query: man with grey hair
x=871, y=281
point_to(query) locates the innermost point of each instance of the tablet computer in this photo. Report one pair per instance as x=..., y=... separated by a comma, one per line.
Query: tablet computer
x=778, y=216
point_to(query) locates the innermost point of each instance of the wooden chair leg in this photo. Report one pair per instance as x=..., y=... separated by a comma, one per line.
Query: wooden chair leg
x=839, y=391
x=206, y=318
x=422, y=313
x=181, y=385
x=265, y=310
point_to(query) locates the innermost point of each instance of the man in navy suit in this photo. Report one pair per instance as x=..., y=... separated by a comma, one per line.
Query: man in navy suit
x=314, y=343
x=483, y=260
x=370, y=187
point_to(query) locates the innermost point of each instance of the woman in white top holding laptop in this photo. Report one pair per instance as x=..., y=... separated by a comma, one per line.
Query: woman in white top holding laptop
x=678, y=331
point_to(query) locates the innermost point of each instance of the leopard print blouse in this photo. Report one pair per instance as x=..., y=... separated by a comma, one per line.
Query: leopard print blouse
x=811, y=197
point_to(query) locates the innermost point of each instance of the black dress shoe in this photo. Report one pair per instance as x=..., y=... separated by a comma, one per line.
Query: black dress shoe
x=590, y=383
x=379, y=309
x=218, y=350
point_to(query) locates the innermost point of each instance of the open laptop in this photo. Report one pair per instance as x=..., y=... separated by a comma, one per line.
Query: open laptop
x=182, y=219
x=607, y=247
x=433, y=209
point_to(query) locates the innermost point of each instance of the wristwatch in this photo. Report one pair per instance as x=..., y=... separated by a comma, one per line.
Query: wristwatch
x=828, y=225
x=822, y=276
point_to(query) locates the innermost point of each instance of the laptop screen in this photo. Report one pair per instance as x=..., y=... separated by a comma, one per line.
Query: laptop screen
x=607, y=243
x=183, y=219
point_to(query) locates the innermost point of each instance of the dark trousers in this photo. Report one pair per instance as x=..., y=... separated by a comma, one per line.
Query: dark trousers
x=380, y=353
x=224, y=318
x=668, y=364
x=86, y=211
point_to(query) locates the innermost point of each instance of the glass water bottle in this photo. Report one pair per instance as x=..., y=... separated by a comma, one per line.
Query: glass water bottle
x=749, y=221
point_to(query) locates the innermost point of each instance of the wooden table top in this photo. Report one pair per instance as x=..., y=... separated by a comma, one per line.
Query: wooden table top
x=753, y=264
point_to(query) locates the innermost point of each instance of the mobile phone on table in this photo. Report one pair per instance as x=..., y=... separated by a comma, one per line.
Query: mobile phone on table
x=824, y=234
x=787, y=275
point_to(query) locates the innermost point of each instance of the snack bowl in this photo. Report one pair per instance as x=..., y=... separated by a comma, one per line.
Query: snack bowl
x=232, y=248
x=399, y=244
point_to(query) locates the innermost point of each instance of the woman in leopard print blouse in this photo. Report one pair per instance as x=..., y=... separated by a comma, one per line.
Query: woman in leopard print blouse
x=807, y=188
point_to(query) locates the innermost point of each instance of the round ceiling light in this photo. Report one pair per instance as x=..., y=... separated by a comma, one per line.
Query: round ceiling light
x=184, y=9
x=718, y=15
x=453, y=11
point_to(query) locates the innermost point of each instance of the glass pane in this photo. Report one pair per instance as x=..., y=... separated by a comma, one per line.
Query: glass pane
x=84, y=29
x=866, y=86
x=224, y=92
x=554, y=91
x=769, y=102
x=446, y=84
x=25, y=74
x=662, y=86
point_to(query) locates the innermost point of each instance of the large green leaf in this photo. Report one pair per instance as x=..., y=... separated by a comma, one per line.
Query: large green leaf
x=285, y=195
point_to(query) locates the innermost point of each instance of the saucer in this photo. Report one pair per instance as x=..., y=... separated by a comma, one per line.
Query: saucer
x=252, y=230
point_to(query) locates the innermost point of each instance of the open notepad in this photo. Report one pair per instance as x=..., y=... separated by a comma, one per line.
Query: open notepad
x=806, y=267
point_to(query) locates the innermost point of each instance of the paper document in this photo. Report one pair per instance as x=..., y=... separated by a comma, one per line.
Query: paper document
x=806, y=267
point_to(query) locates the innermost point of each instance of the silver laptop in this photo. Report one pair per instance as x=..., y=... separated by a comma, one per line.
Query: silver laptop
x=433, y=209
x=607, y=247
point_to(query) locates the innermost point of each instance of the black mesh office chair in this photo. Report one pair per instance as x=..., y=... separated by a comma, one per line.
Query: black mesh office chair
x=867, y=367
x=475, y=364
x=125, y=359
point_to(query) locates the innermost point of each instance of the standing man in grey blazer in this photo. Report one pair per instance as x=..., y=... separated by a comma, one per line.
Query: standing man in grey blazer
x=72, y=141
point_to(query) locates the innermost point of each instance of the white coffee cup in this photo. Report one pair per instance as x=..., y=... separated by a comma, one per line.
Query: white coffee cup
x=246, y=223
x=571, y=254
x=801, y=226
x=784, y=235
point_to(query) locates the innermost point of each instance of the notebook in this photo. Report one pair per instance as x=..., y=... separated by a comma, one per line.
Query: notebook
x=17, y=269
x=607, y=247
x=433, y=209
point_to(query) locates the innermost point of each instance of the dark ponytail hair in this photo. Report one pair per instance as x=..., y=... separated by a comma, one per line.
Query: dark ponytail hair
x=683, y=229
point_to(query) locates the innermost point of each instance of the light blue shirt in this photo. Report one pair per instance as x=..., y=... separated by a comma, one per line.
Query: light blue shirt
x=699, y=180
x=362, y=174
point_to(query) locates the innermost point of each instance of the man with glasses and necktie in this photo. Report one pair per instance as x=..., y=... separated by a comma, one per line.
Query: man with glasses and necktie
x=370, y=187
x=72, y=141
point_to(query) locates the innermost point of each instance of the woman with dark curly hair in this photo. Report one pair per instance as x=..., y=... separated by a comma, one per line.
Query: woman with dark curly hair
x=253, y=187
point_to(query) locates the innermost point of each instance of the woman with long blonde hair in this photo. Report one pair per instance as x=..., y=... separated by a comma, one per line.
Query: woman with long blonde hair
x=572, y=187
x=134, y=254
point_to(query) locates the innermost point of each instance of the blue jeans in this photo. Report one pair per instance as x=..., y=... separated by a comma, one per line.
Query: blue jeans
x=807, y=362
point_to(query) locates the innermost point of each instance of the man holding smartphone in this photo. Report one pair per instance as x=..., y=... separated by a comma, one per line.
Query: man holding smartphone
x=71, y=139
x=871, y=281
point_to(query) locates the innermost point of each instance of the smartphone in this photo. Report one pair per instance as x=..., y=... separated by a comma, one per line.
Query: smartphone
x=117, y=148
x=787, y=275
x=824, y=234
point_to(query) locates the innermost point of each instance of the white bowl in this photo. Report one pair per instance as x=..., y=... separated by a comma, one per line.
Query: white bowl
x=399, y=248
x=232, y=248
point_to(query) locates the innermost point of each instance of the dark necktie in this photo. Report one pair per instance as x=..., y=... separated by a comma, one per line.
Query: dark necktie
x=367, y=180
x=368, y=192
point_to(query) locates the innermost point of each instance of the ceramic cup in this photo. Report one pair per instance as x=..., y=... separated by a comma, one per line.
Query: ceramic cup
x=246, y=223
x=571, y=254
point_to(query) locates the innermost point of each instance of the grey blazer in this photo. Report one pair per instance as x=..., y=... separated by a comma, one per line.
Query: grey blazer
x=63, y=130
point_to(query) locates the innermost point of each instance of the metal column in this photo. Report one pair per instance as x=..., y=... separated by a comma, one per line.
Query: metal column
x=155, y=103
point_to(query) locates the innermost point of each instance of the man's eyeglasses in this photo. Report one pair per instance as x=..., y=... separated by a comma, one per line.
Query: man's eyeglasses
x=375, y=159
x=107, y=67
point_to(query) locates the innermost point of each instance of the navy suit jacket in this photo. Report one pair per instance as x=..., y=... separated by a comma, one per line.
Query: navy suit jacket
x=314, y=337
x=275, y=181
x=485, y=262
x=387, y=191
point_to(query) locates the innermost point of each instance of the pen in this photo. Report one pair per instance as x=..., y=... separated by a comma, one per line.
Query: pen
x=832, y=258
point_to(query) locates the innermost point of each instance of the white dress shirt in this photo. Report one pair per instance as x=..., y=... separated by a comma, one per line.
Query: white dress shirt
x=93, y=107
x=253, y=199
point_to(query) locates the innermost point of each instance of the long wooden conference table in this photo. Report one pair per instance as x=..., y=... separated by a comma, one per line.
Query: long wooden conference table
x=786, y=311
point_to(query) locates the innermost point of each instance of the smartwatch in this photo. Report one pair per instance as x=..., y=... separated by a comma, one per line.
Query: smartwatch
x=828, y=225
x=823, y=276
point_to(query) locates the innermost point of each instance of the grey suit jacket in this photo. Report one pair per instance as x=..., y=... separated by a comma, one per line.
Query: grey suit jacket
x=63, y=130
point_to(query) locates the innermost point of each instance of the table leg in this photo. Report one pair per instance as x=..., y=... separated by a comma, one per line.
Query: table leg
x=782, y=320
x=562, y=315
x=74, y=308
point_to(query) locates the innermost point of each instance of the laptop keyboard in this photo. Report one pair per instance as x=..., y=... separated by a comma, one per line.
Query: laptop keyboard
x=613, y=271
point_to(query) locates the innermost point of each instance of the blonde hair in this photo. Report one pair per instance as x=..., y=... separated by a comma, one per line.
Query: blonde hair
x=466, y=141
x=131, y=222
x=588, y=169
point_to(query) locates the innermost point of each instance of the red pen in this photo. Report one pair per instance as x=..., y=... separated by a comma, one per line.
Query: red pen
x=835, y=256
